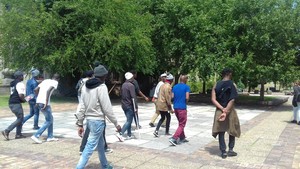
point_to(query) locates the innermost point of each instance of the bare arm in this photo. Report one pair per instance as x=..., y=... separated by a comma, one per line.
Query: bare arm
x=187, y=96
x=47, y=96
x=142, y=95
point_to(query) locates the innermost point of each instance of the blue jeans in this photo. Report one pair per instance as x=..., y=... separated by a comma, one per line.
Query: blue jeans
x=95, y=139
x=17, y=109
x=48, y=124
x=127, y=126
x=34, y=111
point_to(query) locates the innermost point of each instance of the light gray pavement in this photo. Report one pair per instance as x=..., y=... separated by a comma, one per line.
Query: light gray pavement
x=267, y=141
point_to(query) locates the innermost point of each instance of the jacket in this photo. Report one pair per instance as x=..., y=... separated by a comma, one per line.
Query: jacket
x=96, y=103
x=164, y=100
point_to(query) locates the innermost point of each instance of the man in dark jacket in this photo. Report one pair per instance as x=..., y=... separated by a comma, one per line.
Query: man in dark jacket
x=17, y=96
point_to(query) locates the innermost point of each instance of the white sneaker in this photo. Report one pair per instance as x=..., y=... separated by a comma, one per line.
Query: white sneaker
x=129, y=137
x=52, y=139
x=35, y=139
x=109, y=150
x=120, y=137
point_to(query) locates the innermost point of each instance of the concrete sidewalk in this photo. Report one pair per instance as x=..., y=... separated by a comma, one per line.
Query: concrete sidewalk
x=268, y=140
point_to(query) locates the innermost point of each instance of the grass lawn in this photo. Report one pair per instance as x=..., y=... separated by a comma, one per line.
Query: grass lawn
x=4, y=101
x=254, y=98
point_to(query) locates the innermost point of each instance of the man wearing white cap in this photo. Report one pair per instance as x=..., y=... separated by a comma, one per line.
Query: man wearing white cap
x=34, y=110
x=155, y=96
x=164, y=104
x=128, y=105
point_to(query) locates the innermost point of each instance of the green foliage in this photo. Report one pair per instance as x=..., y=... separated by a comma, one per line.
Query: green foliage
x=72, y=34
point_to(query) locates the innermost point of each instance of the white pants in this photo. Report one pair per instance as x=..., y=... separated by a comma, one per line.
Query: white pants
x=296, y=111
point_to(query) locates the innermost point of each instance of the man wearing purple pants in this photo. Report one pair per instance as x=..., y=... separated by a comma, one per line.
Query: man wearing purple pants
x=181, y=95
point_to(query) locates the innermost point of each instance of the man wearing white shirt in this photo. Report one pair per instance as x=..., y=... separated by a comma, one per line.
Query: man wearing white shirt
x=155, y=96
x=17, y=97
x=44, y=92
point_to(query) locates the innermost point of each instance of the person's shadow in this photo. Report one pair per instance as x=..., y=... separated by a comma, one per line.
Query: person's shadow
x=213, y=150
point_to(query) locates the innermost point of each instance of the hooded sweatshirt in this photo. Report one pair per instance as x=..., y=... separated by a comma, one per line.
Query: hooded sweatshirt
x=95, y=102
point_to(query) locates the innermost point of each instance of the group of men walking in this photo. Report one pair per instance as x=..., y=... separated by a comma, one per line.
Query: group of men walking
x=95, y=107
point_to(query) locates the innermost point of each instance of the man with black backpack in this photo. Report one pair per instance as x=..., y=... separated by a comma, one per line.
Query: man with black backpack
x=296, y=103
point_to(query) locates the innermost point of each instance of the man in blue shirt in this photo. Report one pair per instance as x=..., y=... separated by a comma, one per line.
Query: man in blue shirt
x=181, y=95
x=34, y=110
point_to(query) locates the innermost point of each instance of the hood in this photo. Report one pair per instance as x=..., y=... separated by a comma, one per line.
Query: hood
x=13, y=83
x=93, y=83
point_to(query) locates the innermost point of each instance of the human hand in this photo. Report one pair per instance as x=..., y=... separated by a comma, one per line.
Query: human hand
x=146, y=98
x=222, y=117
x=45, y=105
x=172, y=111
x=80, y=131
x=119, y=128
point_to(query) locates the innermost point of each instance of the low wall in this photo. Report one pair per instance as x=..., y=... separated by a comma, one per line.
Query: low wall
x=4, y=90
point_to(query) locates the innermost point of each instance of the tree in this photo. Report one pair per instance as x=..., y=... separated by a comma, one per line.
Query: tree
x=67, y=36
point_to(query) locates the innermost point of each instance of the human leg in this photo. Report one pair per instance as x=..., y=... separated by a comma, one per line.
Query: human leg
x=48, y=120
x=163, y=116
x=231, y=146
x=154, y=117
x=17, y=109
x=222, y=145
x=182, y=118
x=168, y=116
x=129, y=117
x=36, y=117
x=31, y=113
x=96, y=132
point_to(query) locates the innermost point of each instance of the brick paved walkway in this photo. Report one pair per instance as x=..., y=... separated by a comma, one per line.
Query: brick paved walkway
x=268, y=140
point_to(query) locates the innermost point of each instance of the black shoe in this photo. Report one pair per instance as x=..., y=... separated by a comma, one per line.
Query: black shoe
x=155, y=133
x=151, y=125
x=224, y=155
x=140, y=126
x=231, y=153
x=20, y=136
x=173, y=141
x=168, y=134
x=5, y=134
x=184, y=140
x=294, y=121
x=36, y=128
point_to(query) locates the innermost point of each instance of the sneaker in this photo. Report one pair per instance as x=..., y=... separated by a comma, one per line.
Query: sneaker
x=231, y=153
x=36, y=128
x=184, y=140
x=128, y=138
x=173, y=141
x=20, y=136
x=5, y=134
x=109, y=150
x=155, y=133
x=224, y=155
x=109, y=166
x=151, y=125
x=35, y=139
x=120, y=137
x=80, y=152
x=52, y=139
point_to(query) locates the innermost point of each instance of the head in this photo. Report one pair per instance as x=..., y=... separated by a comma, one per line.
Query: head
x=169, y=78
x=129, y=76
x=19, y=75
x=163, y=77
x=89, y=73
x=227, y=73
x=56, y=77
x=183, y=79
x=134, y=73
x=35, y=73
x=100, y=72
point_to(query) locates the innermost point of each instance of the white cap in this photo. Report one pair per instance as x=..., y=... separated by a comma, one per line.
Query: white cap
x=170, y=77
x=128, y=75
x=163, y=75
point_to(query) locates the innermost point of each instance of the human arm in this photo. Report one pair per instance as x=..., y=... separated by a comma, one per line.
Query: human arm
x=49, y=91
x=142, y=94
x=20, y=87
x=218, y=105
x=168, y=97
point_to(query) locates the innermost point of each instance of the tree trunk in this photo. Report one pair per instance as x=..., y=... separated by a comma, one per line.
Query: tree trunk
x=249, y=89
x=262, y=91
x=204, y=87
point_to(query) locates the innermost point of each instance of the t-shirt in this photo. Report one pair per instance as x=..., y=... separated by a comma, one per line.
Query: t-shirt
x=225, y=91
x=20, y=88
x=128, y=93
x=44, y=87
x=179, y=91
x=156, y=92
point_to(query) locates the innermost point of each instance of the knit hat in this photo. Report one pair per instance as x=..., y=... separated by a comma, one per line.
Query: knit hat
x=128, y=75
x=35, y=72
x=100, y=71
x=18, y=74
x=170, y=77
x=163, y=75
